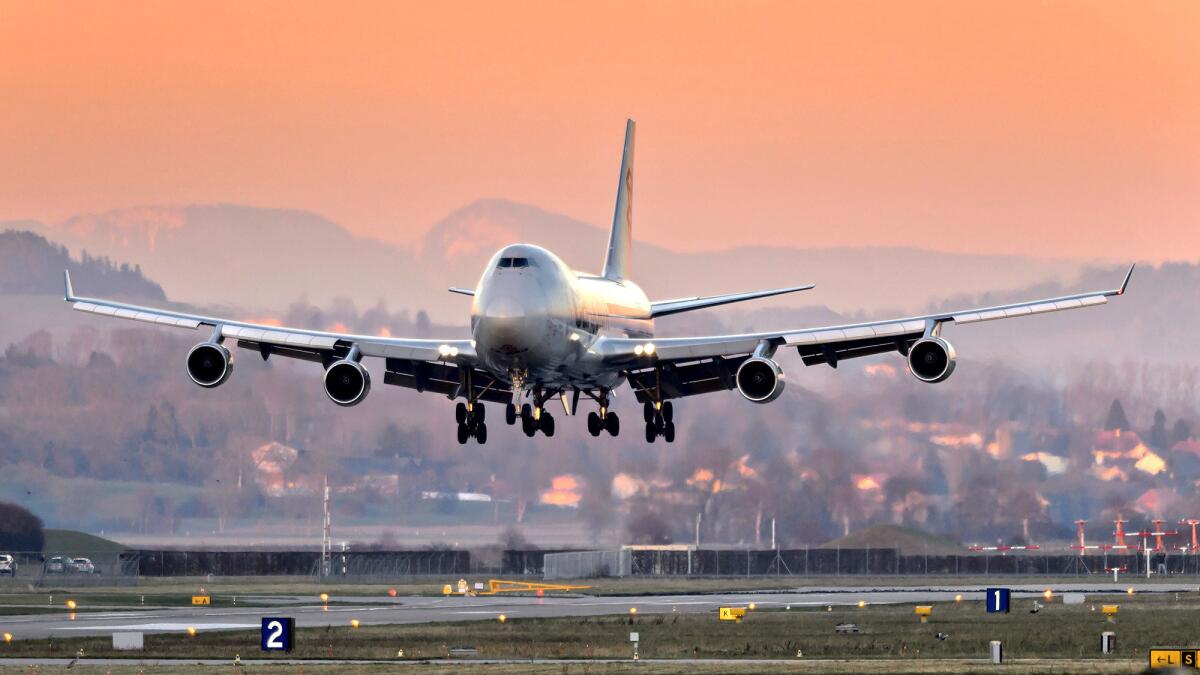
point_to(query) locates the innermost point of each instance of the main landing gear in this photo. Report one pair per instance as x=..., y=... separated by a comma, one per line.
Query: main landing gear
x=470, y=422
x=659, y=421
x=532, y=419
x=604, y=420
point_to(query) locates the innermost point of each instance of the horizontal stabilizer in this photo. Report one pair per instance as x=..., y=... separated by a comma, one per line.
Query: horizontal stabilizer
x=668, y=307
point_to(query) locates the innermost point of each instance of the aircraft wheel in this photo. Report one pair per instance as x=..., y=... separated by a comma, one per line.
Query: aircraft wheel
x=547, y=423
x=612, y=423
x=481, y=433
x=648, y=411
x=480, y=413
x=462, y=434
x=669, y=432
x=651, y=432
x=527, y=412
x=527, y=425
x=668, y=411
x=460, y=413
x=595, y=426
x=510, y=414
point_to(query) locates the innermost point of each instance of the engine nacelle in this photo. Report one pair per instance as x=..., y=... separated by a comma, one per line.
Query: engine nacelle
x=760, y=379
x=209, y=364
x=347, y=382
x=931, y=359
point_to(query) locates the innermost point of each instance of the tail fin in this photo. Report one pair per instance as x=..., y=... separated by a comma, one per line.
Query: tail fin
x=618, y=260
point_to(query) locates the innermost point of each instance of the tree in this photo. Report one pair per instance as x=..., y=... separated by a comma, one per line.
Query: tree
x=1180, y=432
x=1158, y=437
x=1116, y=417
x=20, y=530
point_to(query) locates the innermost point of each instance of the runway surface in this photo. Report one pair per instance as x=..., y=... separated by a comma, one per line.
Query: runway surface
x=414, y=609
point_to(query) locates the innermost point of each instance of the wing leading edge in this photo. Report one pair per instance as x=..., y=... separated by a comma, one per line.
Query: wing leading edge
x=829, y=344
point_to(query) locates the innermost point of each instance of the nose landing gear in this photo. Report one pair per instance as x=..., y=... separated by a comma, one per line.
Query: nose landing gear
x=659, y=421
x=471, y=422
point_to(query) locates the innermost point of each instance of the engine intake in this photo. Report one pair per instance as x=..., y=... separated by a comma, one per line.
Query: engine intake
x=760, y=379
x=347, y=383
x=209, y=364
x=931, y=359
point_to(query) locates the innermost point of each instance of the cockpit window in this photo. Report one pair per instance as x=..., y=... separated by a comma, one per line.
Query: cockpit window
x=514, y=262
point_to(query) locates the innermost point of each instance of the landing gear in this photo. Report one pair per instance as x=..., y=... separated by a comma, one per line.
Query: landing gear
x=471, y=422
x=595, y=426
x=659, y=421
x=536, y=419
x=612, y=423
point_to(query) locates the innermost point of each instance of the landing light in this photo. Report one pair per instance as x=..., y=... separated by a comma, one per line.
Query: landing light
x=649, y=348
x=574, y=337
x=447, y=350
x=638, y=349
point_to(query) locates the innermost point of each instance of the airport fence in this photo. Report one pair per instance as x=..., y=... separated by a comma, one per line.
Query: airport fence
x=358, y=566
x=588, y=564
x=80, y=568
x=843, y=562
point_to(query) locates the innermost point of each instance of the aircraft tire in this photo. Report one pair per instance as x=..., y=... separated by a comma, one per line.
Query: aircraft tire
x=527, y=425
x=510, y=414
x=648, y=412
x=651, y=432
x=481, y=433
x=595, y=426
x=612, y=423
x=462, y=434
x=547, y=424
x=460, y=413
x=669, y=432
x=480, y=413
x=668, y=411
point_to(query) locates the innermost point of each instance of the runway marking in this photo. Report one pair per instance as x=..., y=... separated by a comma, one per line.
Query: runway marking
x=167, y=626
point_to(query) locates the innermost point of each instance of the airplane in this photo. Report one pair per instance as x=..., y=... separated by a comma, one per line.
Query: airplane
x=541, y=330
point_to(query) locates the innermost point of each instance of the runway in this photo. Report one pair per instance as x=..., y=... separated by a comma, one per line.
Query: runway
x=417, y=609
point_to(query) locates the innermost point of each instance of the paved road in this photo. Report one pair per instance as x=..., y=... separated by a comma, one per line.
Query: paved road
x=370, y=611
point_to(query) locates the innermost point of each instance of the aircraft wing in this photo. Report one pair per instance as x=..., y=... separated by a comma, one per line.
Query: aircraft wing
x=434, y=365
x=668, y=307
x=694, y=365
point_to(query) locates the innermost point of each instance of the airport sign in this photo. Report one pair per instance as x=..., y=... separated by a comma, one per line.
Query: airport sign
x=278, y=633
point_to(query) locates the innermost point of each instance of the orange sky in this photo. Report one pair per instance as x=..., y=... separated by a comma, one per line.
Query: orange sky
x=1052, y=128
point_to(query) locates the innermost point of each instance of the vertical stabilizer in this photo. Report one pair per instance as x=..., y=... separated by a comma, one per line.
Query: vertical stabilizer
x=618, y=259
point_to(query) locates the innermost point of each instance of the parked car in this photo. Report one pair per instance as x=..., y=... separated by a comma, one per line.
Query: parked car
x=8, y=565
x=84, y=566
x=60, y=564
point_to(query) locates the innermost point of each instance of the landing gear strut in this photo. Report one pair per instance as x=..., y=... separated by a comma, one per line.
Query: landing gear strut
x=535, y=418
x=604, y=420
x=470, y=420
x=659, y=421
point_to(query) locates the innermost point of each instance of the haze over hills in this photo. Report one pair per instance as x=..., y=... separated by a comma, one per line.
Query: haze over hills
x=265, y=259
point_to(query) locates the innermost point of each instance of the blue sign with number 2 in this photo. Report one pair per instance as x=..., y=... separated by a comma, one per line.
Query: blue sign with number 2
x=997, y=600
x=277, y=633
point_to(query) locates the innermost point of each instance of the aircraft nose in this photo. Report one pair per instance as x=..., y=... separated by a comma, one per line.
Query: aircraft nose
x=507, y=325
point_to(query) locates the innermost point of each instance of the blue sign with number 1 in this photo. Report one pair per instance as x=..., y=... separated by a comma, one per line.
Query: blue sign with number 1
x=277, y=633
x=997, y=600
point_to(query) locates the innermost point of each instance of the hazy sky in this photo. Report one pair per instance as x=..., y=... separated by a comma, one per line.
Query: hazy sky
x=1052, y=128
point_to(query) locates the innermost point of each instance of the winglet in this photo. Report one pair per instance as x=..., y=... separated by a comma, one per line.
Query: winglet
x=68, y=289
x=1125, y=284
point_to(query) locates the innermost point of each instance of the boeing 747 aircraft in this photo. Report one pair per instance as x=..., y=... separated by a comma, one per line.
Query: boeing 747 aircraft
x=541, y=330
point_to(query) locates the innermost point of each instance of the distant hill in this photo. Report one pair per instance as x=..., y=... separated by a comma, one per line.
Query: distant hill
x=265, y=259
x=76, y=543
x=908, y=540
x=31, y=265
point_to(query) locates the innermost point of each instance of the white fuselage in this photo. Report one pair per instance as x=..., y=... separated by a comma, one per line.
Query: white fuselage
x=535, y=317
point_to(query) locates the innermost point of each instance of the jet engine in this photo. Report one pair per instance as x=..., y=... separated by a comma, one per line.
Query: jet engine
x=209, y=364
x=760, y=379
x=931, y=359
x=347, y=382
